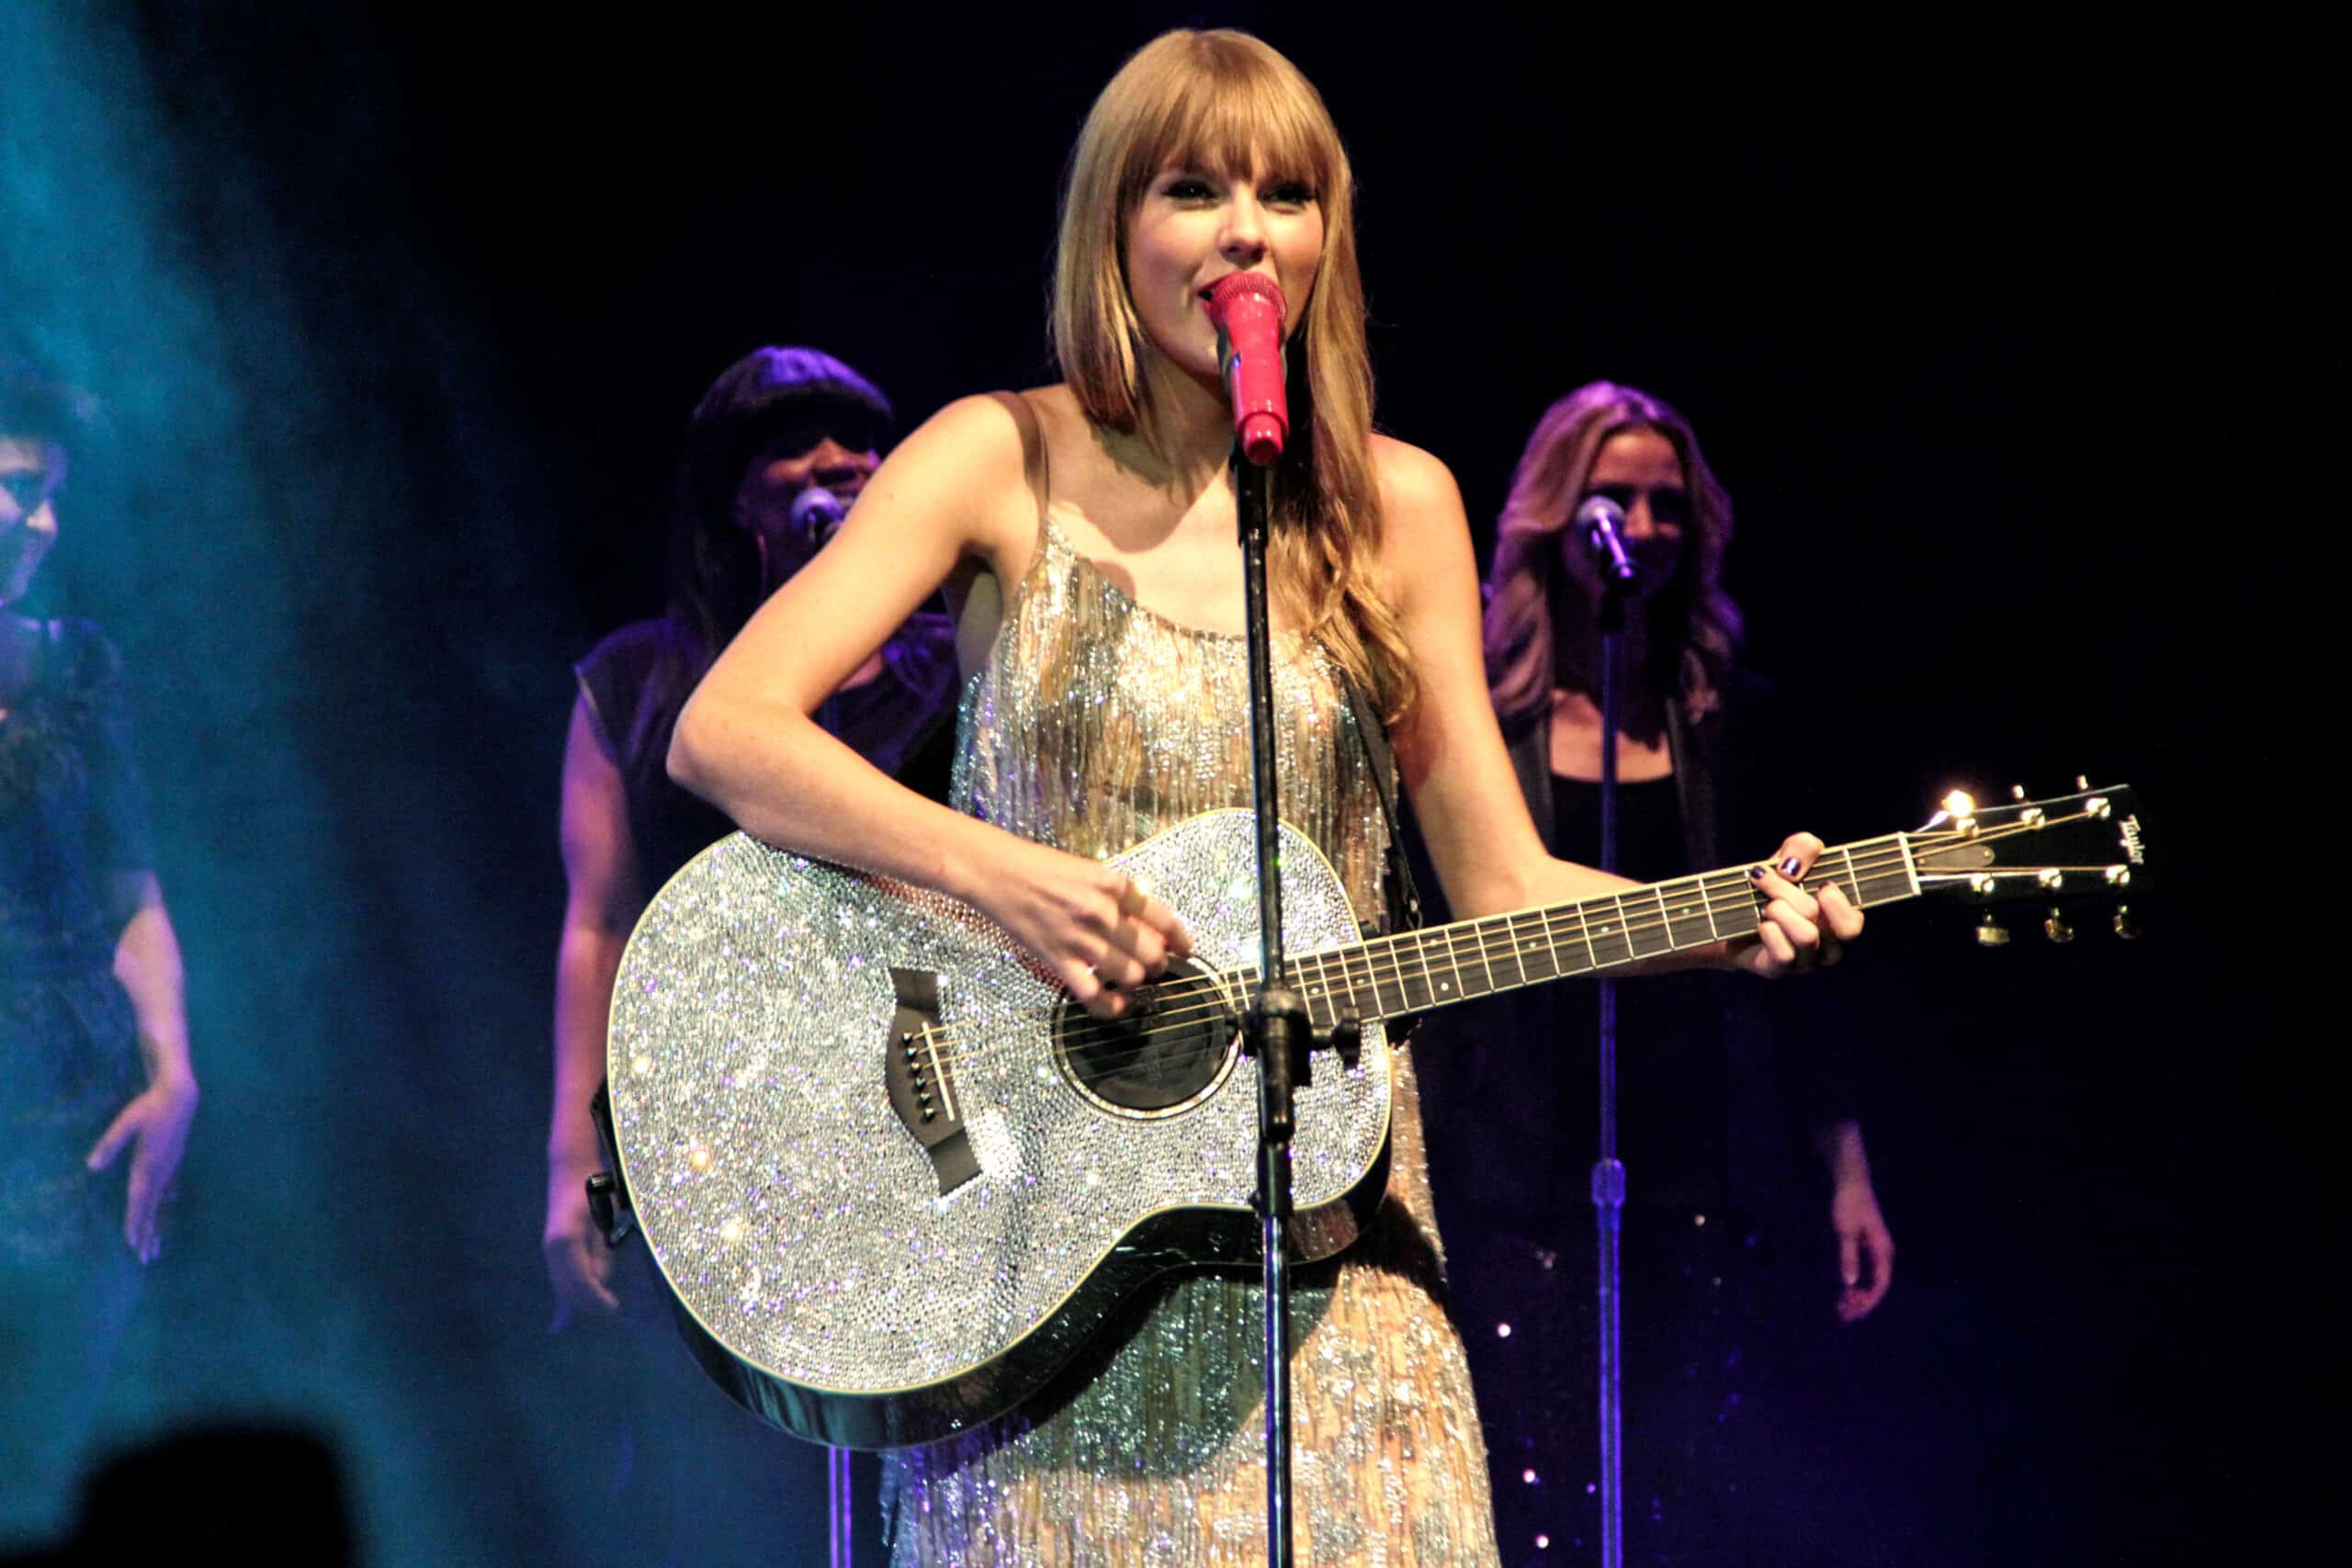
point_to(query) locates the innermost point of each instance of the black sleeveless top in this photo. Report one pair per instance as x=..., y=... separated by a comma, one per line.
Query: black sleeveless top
x=636, y=687
x=1719, y=1075
x=1514, y=1078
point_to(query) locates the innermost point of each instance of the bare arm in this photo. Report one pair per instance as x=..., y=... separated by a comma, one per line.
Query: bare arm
x=154, y=1124
x=601, y=904
x=1480, y=838
x=1451, y=752
x=957, y=489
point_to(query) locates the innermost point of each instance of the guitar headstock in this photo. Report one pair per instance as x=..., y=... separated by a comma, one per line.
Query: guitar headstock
x=2089, y=844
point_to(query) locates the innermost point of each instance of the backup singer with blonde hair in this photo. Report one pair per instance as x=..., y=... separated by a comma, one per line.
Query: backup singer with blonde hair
x=1701, y=758
x=1085, y=532
x=1538, y=626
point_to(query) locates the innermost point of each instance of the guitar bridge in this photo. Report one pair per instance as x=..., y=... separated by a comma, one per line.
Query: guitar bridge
x=921, y=1080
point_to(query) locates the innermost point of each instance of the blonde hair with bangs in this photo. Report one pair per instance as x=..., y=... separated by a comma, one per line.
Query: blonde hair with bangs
x=1226, y=101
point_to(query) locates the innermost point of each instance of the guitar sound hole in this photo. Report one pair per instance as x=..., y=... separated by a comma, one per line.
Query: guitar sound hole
x=1166, y=1052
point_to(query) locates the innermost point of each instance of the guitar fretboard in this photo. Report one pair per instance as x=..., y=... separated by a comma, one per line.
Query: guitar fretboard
x=1417, y=971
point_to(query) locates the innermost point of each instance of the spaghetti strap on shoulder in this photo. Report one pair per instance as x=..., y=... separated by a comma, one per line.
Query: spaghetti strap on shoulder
x=1036, y=467
x=1036, y=460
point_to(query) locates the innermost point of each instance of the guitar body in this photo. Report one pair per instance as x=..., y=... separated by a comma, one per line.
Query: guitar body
x=895, y=1180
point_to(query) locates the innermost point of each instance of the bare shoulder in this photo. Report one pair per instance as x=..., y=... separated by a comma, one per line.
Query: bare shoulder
x=1416, y=490
x=1074, y=457
x=989, y=430
x=968, y=467
x=1425, y=537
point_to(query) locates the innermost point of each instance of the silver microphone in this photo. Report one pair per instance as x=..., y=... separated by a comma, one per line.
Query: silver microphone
x=1602, y=522
x=817, y=516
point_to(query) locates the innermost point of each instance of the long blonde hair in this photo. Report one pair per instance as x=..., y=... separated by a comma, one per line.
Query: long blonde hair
x=1234, y=104
x=1530, y=602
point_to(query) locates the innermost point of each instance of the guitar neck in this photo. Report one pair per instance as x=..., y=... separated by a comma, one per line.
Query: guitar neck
x=1417, y=971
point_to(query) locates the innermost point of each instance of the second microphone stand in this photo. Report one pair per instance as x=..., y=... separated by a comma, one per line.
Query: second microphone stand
x=1608, y=1172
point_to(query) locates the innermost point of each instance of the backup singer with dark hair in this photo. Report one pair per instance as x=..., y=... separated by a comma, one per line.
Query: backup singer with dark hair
x=1711, y=1078
x=1086, y=533
x=776, y=427
x=773, y=425
x=96, y=1087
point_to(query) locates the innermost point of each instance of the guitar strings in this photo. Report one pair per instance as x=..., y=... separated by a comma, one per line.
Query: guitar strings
x=1367, y=965
x=1385, y=959
x=1467, y=939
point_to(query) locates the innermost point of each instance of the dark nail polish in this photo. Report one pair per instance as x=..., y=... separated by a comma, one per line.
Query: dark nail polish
x=1790, y=866
x=1755, y=873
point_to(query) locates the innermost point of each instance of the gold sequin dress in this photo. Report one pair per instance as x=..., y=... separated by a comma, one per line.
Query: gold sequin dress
x=1094, y=724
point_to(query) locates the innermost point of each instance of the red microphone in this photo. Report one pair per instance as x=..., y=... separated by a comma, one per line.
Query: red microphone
x=1247, y=310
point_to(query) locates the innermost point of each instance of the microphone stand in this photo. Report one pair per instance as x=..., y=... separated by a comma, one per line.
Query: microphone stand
x=1276, y=1029
x=838, y=1553
x=1607, y=1173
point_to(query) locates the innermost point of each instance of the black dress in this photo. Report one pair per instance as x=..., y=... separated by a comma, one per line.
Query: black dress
x=636, y=684
x=71, y=814
x=1718, y=1075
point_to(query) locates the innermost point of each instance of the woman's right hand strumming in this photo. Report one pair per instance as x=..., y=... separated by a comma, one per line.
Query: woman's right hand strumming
x=1093, y=927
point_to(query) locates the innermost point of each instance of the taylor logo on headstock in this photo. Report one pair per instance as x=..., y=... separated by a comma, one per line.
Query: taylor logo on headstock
x=2132, y=844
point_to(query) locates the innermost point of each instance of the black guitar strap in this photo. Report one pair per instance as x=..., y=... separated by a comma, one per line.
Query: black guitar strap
x=1403, y=897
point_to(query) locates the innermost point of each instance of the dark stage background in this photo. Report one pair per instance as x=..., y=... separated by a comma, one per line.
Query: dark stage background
x=398, y=315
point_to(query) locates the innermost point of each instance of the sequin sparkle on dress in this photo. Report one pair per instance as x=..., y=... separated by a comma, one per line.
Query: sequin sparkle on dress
x=1096, y=723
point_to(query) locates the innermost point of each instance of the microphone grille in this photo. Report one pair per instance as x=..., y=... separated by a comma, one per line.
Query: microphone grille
x=1600, y=509
x=1234, y=287
x=817, y=504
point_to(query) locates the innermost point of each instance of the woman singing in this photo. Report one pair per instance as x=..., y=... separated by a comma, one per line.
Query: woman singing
x=1086, y=533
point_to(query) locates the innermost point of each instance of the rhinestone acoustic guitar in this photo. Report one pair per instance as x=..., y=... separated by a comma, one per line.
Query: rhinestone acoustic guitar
x=895, y=1178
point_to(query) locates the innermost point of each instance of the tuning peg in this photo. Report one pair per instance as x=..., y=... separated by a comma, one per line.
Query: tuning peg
x=2082, y=780
x=1990, y=932
x=2016, y=792
x=2127, y=924
x=2056, y=927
